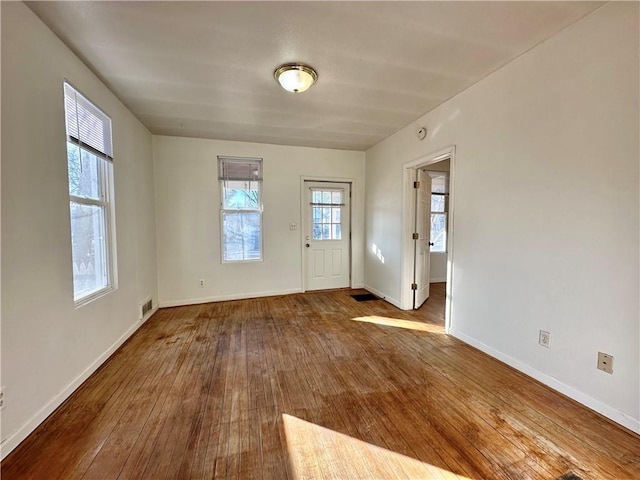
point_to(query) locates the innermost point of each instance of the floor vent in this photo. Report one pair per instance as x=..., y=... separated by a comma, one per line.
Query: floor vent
x=569, y=476
x=364, y=297
x=145, y=308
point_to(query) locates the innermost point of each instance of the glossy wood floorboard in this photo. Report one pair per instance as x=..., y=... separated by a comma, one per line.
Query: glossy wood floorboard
x=316, y=386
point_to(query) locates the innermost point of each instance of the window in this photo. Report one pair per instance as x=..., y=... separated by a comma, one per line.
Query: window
x=241, y=208
x=326, y=206
x=89, y=164
x=439, y=210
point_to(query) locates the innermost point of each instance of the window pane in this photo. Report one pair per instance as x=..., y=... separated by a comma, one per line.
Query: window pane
x=241, y=195
x=84, y=174
x=439, y=232
x=326, y=232
x=336, y=197
x=439, y=184
x=241, y=236
x=326, y=197
x=335, y=215
x=89, y=249
x=336, y=233
x=437, y=203
x=326, y=215
x=317, y=214
x=317, y=196
x=317, y=231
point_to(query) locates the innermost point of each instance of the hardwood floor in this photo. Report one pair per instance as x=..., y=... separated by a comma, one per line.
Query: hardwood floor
x=316, y=385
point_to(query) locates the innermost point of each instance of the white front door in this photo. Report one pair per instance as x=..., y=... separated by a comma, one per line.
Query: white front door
x=422, y=249
x=327, y=235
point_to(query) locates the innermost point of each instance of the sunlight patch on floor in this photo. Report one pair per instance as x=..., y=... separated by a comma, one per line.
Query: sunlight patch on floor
x=318, y=452
x=396, y=322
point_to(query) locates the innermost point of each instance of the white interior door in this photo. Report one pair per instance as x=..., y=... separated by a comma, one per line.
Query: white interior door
x=422, y=256
x=327, y=235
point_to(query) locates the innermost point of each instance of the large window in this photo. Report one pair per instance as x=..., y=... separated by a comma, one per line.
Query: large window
x=241, y=208
x=89, y=163
x=439, y=210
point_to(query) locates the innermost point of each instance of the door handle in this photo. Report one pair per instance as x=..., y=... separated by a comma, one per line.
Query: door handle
x=431, y=244
x=307, y=245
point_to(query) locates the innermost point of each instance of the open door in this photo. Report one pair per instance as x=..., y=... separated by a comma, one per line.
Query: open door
x=421, y=240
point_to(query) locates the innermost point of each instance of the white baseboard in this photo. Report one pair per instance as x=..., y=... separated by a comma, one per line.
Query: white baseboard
x=386, y=298
x=149, y=314
x=623, y=419
x=222, y=298
x=438, y=280
x=14, y=439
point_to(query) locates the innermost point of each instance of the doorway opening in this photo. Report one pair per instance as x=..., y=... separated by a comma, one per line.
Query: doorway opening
x=427, y=230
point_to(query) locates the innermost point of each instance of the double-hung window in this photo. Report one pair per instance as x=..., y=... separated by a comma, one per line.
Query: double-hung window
x=241, y=208
x=439, y=210
x=89, y=163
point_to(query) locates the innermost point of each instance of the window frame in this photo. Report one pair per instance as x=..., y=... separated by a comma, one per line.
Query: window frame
x=104, y=200
x=224, y=210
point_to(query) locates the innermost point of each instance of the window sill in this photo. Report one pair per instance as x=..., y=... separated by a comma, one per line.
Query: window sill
x=93, y=296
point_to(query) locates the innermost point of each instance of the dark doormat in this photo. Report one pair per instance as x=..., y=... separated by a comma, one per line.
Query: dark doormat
x=569, y=476
x=364, y=297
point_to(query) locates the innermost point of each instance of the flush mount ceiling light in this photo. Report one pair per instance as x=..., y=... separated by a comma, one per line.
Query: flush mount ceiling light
x=295, y=77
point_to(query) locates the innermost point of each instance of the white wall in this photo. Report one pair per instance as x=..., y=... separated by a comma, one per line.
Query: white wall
x=48, y=346
x=188, y=222
x=546, y=213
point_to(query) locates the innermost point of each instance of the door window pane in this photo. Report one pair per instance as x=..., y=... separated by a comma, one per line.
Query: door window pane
x=326, y=214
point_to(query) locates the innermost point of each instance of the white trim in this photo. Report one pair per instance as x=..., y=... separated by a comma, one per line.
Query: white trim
x=383, y=296
x=222, y=298
x=303, y=223
x=408, y=216
x=438, y=280
x=14, y=439
x=617, y=416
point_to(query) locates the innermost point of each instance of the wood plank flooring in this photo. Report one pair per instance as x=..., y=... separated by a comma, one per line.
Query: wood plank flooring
x=316, y=386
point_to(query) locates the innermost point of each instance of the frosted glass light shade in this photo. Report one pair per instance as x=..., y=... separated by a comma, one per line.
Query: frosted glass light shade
x=295, y=77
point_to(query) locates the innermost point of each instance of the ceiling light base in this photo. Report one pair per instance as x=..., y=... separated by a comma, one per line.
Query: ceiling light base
x=295, y=77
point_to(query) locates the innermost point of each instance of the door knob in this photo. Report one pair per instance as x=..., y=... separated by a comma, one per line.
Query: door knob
x=431, y=244
x=307, y=245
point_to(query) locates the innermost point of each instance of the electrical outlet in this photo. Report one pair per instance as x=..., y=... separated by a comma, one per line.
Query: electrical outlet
x=544, y=339
x=605, y=362
x=202, y=283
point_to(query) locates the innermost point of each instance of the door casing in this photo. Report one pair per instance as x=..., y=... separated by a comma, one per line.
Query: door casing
x=408, y=224
x=304, y=223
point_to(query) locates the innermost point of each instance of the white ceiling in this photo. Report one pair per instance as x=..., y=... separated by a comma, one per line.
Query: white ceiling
x=205, y=69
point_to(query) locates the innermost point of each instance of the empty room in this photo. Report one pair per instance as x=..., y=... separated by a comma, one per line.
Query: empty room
x=315, y=239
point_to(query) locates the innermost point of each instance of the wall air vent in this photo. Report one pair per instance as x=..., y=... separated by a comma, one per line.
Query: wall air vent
x=145, y=308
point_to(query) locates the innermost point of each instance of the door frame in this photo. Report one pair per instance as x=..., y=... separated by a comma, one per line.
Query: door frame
x=304, y=223
x=408, y=224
